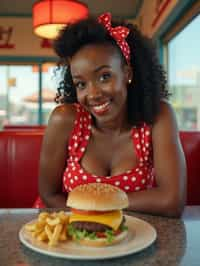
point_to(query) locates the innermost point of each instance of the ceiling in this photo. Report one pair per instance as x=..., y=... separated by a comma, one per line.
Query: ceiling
x=126, y=9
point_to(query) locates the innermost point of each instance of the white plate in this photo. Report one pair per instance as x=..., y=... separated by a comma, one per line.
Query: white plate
x=140, y=235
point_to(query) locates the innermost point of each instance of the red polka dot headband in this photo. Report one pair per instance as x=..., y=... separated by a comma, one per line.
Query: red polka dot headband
x=118, y=33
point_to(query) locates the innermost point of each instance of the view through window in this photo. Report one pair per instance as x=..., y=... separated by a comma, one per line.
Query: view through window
x=184, y=75
x=19, y=94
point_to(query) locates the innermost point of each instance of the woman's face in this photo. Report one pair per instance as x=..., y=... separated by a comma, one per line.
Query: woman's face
x=101, y=81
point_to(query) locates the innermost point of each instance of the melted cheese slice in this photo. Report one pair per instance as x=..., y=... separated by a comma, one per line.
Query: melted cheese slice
x=112, y=219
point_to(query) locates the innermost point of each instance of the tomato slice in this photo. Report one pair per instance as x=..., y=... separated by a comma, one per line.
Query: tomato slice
x=83, y=212
x=102, y=234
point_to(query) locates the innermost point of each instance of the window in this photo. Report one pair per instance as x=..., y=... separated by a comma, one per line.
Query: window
x=184, y=75
x=183, y=65
x=19, y=94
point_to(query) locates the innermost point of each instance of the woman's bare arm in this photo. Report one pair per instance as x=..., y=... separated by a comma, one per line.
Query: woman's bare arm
x=169, y=197
x=54, y=155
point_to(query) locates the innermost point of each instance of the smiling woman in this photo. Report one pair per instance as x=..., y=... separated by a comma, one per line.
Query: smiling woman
x=114, y=119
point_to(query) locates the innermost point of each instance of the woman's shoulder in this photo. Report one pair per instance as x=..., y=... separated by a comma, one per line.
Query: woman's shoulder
x=62, y=117
x=165, y=122
x=166, y=112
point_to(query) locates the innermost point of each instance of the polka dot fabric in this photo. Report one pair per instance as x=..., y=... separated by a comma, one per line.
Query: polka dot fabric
x=139, y=178
x=118, y=33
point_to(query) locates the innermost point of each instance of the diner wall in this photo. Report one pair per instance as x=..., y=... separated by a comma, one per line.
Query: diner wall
x=18, y=39
x=153, y=14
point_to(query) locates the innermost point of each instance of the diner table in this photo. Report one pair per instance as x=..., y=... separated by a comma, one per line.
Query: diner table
x=177, y=243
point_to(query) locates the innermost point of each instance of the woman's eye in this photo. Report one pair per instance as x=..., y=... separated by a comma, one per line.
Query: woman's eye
x=105, y=76
x=79, y=85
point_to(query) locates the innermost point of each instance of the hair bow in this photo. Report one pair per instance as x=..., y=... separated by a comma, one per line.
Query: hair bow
x=118, y=33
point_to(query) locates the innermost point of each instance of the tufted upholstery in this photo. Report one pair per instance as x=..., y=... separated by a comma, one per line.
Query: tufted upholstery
x=19, y=160
x=191, y=145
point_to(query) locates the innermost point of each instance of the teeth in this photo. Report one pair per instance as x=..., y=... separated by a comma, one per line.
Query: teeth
x=102, y=106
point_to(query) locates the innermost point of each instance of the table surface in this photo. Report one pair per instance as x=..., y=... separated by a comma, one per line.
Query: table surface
x=178, y=242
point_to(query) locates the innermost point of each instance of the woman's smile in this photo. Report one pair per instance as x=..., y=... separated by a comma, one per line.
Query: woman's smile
x=101, y=109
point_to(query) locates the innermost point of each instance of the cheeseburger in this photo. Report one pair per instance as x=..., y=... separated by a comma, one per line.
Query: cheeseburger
x=96, y=214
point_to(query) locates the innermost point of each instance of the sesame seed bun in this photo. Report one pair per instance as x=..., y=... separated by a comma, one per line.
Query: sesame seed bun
x=98, y=197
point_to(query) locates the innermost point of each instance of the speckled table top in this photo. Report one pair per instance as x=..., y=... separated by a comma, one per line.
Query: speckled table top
x=178, y=242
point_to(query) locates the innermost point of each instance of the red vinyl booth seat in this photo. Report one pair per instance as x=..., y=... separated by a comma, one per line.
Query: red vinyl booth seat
x=24, y=127
x=191, y=145
x=19, y=161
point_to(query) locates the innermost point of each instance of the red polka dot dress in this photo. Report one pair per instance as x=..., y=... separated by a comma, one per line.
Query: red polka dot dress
x=139, y=178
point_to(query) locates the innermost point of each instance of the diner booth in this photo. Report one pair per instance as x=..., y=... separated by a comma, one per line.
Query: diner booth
x=25, y=104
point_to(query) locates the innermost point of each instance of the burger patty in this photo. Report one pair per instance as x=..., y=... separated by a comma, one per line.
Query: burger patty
x=92, y=226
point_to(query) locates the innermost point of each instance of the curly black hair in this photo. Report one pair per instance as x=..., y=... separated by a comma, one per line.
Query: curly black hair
x=149, y=79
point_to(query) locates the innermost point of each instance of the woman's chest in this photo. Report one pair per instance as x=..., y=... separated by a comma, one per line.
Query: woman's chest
x=108, y=156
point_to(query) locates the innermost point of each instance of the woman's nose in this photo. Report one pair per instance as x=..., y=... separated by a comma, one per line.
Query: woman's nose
x=94, y=91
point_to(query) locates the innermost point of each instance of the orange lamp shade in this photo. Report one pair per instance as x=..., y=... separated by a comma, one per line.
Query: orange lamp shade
x=49, y=16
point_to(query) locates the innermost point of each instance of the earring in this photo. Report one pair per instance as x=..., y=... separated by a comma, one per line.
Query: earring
x=129, y=81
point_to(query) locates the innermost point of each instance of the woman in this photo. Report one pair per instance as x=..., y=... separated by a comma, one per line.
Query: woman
x=115, y=125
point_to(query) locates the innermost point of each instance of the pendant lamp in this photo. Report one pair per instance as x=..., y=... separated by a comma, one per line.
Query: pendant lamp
x=49, y=16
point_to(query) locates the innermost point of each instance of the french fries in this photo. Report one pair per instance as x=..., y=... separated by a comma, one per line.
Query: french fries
x=49, y=227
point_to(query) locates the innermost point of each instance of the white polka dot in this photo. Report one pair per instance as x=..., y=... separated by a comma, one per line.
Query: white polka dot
x=71, y=181
x=138, y=146
x=82, y=149
x=146, y=158
x=89, y=127
x=69, y=175
x=108, y=177
x=117, y=183
x=75, y=122
x=70, y=189
x=64, y=178
x=141, y=160
x=73, y=168
x=137, y=169
x=87, y=137
x=140, y=173
x=137, y=188
x=75, y=144
x=141, y=164
x=142, y=129
x=144, y=149
x=133, y=179
x=147, y=145
x=81, y=171
x=76, y=177
x=125, y=177
x=76, y=159
x=98, y=180
x=136, y=135
x=147, y=133
x=70, y=147
x=126, y=187
x=84, y=177
x=129, y=171
x=143, y=181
